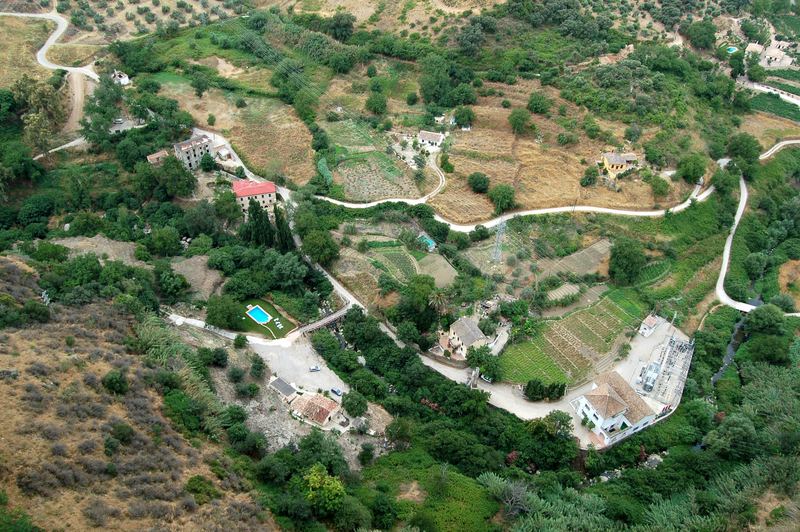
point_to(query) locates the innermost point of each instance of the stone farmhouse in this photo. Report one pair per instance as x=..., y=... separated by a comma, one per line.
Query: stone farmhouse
x=617, y=163
x=465, y=333
x=155, y=159
x=265, y=193
x=189, y=152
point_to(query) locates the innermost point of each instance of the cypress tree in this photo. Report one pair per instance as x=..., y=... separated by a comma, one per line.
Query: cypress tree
x=285, y=241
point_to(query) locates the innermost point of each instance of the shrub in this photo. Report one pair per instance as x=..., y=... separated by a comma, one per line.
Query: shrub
x=539, y=103
x=240, y=341
x=503, y=198
x=257, y=367
x=478, y=182
x=122, y=432
x=202, y=489
x=412, y=98
x=247, y=391
x=235, y=374
x=115, y=382
x=241, y=103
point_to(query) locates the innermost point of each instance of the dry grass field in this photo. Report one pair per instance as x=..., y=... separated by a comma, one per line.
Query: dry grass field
x=789, y=280
x=57, y=416
x=21, y=39
x=769, y=129
x=543, y=173
x=266, y=133
x=374, y=175
x=74, y=54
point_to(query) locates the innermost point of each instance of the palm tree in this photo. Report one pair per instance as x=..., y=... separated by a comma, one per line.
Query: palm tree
x=438, y=301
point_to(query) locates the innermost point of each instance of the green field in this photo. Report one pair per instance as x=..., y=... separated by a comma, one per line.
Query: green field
x=400, y=264
x=785, y=87
x=410, y=478
x=556, y=354
x=271, y=329
x=350, y=133
x=526, y=361
x=791, y=75
x=771, y=103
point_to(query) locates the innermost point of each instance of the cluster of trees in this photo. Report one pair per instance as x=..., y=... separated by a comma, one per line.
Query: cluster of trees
x=483, y=359
x=536, y=390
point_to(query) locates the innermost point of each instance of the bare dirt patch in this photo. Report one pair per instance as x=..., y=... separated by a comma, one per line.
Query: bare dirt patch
x=411, y=491
x=73, y=54
x=214, y=102
x=788, y=277
x=22, y=38
x=437, y=267
x=204, y=280
x=225, y=68
x=358, y=275
x=103, y=247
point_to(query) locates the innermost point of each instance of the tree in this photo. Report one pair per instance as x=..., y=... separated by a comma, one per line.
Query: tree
x=354, y=403
x=434, y=79
x=340, y=26
x=478, y=182
x=477, y=356
x=200, y=83
x=324, y=492
x=692, y=167
x=744, y=147
x=283, y=233
x=412, y=98
x=372, y=71
x=754, y=265
x=769, y=348
x=352, y=515
x=376, y=103
x=520, y=121
x=470, y=39
x=735, y=438
x=223, y=312
x=207, y=163
x=736, y=60
x=783, y=301
x=491, y=369
x=226, y=207
x=407, y=332
x=539, y=103
x=503, y=198
x=464, y=116
x=701, y=34
x=633, y=132
x=257, y=367
x=321, y=247
x=766, y=319
x=165, y=241
x=535, y=390
x=627, y=260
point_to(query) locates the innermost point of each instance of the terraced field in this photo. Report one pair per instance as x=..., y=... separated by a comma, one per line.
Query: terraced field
x=399, y=263
x=573, y=345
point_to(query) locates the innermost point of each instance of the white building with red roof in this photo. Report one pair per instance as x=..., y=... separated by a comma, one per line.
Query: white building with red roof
x=263, y=192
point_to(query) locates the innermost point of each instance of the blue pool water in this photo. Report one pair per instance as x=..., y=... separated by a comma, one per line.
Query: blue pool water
x=259, y=315
x=731, y=49
x=429, y=243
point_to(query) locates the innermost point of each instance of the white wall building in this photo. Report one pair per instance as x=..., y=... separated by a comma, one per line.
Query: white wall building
x=265, y=193
x=430, y=138
x=612, y=409
x=465, y=333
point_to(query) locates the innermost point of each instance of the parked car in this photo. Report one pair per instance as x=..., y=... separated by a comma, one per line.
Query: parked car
x=313, y=369
x=336, y=391
x=119, y=121
x=486, y=379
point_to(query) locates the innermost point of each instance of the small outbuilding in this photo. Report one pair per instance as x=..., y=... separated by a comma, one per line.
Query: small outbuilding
x=120, y=78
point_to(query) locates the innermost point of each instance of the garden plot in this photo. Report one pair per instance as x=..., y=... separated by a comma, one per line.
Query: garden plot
x=581, y=262
x=373, y=176
x=437, y=267
x=350, y=133
x=395, y=261
x=577, y=344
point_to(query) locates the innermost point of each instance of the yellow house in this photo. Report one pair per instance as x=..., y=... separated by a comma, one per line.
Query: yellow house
x=616, y=163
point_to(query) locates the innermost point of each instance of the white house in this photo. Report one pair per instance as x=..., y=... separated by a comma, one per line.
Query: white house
x=612, y=409
x=649, y=325
x=120, y=78
x=465, y=333
x=430, y=138
x=265, y=193
x=189, y=152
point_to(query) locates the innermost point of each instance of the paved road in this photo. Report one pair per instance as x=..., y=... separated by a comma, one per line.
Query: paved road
x=61, y=26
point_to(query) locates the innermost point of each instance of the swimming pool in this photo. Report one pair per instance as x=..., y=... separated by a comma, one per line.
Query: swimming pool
x=731, y=49
x=428, y=242
x=259, y=315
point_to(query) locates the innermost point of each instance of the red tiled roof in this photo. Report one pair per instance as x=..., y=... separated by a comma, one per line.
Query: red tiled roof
x=315, y=407
x=244, y=187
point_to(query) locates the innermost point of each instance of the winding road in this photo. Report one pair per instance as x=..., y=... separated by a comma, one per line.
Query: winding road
x=347, y=296
x=61, y=26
